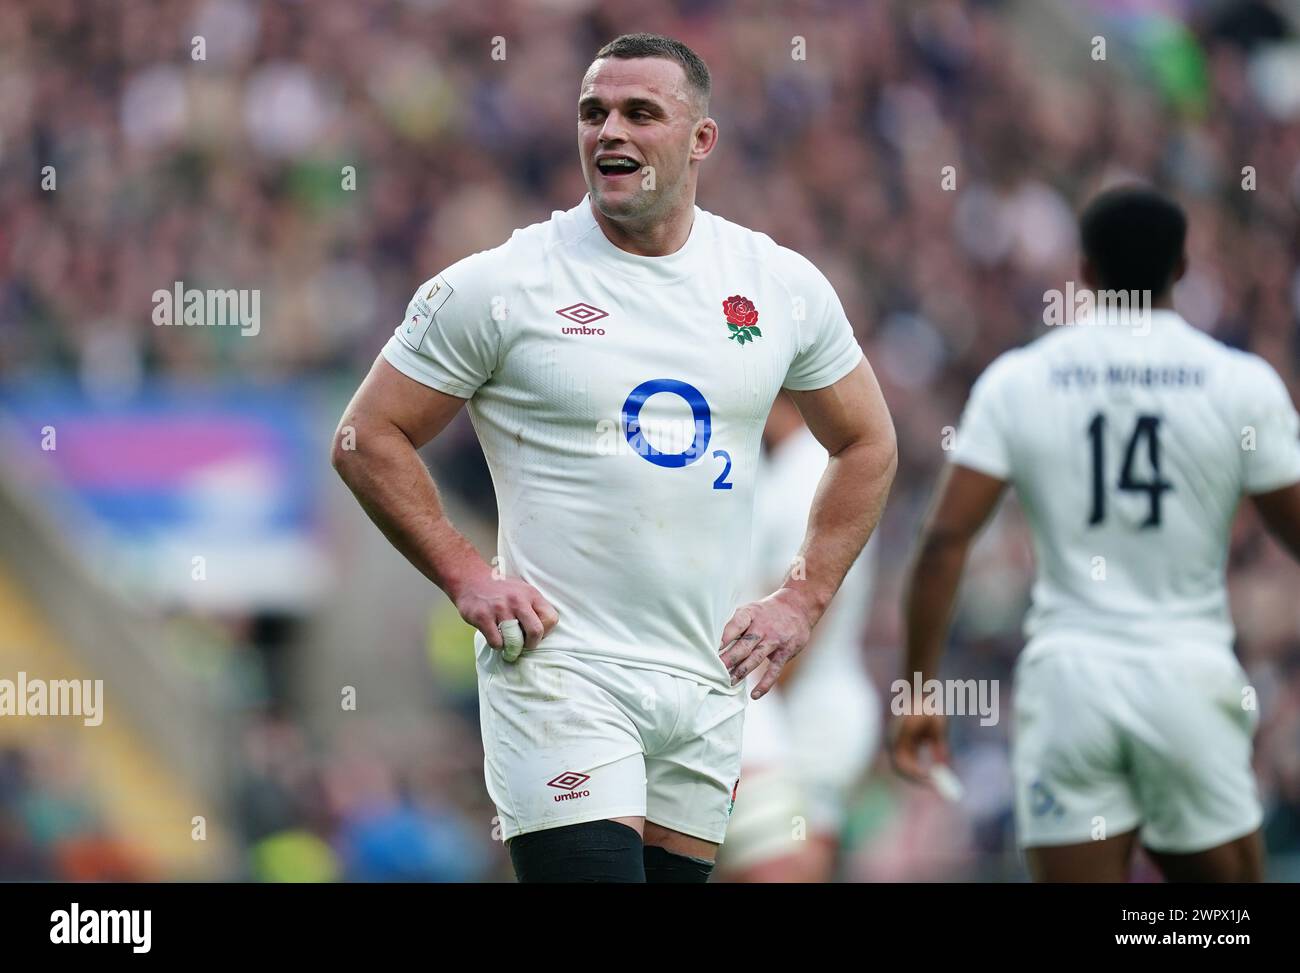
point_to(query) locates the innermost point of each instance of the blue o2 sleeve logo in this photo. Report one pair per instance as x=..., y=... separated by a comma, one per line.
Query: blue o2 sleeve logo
x=699, y=411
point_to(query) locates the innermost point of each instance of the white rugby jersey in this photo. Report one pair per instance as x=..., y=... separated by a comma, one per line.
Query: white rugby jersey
x=620, y=402
x=1130, y=447
x=788, y=482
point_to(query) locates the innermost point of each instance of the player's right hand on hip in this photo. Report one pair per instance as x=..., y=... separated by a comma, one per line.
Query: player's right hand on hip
x=911, y=734
x=487, y=602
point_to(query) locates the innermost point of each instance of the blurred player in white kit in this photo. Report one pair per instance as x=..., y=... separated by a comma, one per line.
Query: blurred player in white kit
x=808, y=741
x=1131, y=440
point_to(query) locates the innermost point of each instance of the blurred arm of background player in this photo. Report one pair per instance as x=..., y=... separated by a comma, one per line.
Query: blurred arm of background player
x=390, y=417
x=964, y=500
x=1280, y=510
x=851, y=421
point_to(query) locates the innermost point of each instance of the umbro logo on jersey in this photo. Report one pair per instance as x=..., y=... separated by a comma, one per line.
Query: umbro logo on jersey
x=583, y=314
x=570, y=781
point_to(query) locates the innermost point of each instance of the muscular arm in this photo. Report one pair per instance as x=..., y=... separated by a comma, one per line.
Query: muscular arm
x=1280, y=510
x=850, y=419
x=389, y=418
x=964, y=500
x=374, y=451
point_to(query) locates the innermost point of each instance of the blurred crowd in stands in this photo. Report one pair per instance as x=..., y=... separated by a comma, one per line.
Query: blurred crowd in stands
x=50, y=829
x=232, y=171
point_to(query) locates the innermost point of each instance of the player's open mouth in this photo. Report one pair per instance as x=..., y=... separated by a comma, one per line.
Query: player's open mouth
x=614, y=166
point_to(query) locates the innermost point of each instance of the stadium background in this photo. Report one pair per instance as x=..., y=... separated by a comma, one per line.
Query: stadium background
x=224, y=677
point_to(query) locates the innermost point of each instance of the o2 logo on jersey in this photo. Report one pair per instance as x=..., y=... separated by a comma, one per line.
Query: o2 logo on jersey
x=702, y=420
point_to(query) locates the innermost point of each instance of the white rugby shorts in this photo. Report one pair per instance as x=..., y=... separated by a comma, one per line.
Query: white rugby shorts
x=1106, y=740
x=569, y=739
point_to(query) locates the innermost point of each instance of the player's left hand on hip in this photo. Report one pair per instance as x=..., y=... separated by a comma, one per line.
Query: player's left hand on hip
x=775, y=629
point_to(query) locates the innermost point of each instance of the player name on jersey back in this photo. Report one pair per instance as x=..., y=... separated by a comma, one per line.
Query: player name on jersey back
x=1119, y=375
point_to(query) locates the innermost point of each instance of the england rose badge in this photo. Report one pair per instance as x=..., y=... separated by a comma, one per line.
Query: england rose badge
x=742, y=319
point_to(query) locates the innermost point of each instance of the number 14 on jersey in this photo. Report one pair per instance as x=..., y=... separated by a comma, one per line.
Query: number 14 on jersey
x=1145, y=436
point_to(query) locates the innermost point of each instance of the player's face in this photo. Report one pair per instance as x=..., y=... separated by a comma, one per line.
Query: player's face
x=633, y=114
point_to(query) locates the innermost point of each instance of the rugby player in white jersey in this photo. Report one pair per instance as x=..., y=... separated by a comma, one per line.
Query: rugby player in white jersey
x=619, y=361
x=809, y=740
x=1129, y=444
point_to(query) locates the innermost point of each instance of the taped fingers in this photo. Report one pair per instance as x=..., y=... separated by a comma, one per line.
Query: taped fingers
x=512, y=638
x=523, y=613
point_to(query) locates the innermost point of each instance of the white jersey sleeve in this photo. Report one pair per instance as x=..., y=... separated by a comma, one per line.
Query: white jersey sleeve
x=984, y=434
x=450, y=338
x=1272, y=459
x=828, y=349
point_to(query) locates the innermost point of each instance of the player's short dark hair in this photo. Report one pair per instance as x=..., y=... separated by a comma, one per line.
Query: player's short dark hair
x=656, y=45
x=1133, y=236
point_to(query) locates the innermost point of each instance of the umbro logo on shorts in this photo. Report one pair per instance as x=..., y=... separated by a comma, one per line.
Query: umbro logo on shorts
x=570, y=781
x=582, y=314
